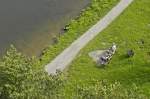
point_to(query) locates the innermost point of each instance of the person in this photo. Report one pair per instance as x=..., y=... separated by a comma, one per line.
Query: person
x=113, y=48
x=103, y=60
x=107, y=55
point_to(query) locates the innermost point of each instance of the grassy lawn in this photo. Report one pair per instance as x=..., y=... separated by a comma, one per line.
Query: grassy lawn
x=87, y=18
x=127, y=31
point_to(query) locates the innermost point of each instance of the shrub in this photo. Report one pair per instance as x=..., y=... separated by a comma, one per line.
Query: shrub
x=105, y=90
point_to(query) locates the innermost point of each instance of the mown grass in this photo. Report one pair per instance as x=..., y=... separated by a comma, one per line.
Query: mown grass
x=78, y=26
x=127, y=31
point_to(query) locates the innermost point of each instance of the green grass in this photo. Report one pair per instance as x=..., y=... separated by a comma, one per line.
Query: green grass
x=78, y=26
x=126, y=31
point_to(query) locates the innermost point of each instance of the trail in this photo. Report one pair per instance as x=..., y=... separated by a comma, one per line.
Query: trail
x=67, y=56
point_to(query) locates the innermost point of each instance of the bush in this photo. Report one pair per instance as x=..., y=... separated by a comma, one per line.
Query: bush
x=105, y=90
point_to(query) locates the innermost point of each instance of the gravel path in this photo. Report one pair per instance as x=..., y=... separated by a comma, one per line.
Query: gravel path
x=67, y=56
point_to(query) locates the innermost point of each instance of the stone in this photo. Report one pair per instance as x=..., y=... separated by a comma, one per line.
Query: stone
x=130, y=53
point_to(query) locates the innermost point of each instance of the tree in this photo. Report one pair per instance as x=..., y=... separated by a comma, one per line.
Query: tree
x=21, y=79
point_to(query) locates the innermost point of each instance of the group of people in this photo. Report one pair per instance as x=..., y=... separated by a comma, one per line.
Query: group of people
x=107, y=55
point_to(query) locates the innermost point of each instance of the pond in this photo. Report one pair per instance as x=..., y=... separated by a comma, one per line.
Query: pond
x=31, y=24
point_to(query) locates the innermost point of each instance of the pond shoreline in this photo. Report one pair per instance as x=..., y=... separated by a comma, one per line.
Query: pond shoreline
x=55, y=39
x=77, y=27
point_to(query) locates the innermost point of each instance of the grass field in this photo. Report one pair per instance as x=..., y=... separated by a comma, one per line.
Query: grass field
x=131, y=30
x=88, y=17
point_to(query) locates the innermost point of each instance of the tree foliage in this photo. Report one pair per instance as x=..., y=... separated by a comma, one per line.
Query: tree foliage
x=20, y=79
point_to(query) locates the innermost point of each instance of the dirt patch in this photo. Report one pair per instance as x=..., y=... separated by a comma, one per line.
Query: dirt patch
x=96, y=54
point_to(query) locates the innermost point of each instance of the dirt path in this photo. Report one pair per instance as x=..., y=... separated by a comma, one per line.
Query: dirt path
x=66, y=57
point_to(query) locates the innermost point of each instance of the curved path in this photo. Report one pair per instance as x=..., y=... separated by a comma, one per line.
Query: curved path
x=66, y=57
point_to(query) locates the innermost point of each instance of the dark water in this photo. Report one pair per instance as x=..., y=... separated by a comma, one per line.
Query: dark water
x=30, y=24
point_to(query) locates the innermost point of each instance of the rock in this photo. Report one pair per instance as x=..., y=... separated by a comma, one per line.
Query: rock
x=130, y=53
x=66, y=28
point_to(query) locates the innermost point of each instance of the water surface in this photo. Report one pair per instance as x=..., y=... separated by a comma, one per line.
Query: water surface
x=30, y=24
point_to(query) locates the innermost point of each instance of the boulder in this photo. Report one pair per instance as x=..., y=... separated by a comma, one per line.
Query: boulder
x=130, y=53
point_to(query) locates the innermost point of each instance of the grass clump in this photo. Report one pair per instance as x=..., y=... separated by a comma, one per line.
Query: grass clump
x=106, y=90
